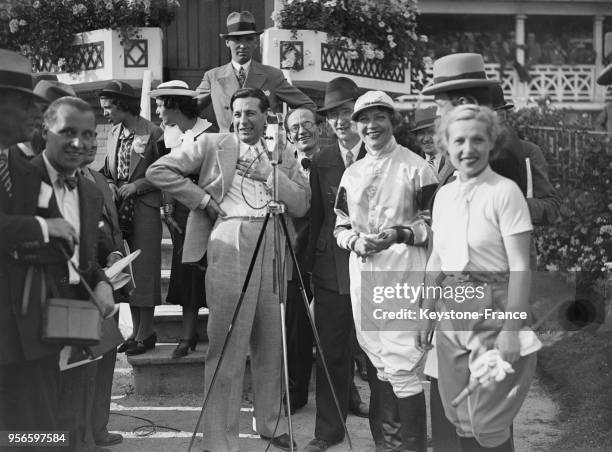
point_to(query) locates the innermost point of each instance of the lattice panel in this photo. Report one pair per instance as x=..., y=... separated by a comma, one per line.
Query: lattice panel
x=89, y=56
x=563, y=83
x=136, y=53
x=334, y=59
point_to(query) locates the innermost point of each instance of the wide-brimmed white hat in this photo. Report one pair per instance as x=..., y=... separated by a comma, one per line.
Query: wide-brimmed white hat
x=458, y=71
x=372, y=99
x=172, y=88
x=605, y=76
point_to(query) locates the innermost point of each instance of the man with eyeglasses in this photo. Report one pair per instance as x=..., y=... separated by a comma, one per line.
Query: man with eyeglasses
x=218, y=84
x=303, y=133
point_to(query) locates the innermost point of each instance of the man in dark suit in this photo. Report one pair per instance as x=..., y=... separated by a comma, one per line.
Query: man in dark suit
x=218, y=84
x=330, y=275
x=29, y=372
x=110, y=250
x=69, y=131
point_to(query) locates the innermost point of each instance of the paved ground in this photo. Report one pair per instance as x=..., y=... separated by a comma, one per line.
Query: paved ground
x=166, y=423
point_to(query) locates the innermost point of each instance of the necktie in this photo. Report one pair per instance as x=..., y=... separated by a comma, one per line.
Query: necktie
x=68, y=182
x=306, y=163
x=432, y=161
x=349, y=159
x=241, y=76
x=5, y=178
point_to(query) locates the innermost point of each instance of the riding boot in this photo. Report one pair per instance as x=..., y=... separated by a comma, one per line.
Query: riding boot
x=389, y=418
x=413, y=418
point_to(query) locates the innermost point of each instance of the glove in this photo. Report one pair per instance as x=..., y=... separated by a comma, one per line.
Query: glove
x=490, y=367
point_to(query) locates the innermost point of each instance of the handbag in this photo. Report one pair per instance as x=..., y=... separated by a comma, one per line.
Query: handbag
x=66, y=321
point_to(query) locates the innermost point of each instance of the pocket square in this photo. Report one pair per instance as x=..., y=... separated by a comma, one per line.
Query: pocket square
x=44, y=195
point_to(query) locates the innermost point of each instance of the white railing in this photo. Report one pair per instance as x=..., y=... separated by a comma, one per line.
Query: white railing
x=563, y=84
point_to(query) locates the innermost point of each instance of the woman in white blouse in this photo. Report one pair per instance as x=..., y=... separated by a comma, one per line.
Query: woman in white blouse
x=481, y=237
x=378, y=221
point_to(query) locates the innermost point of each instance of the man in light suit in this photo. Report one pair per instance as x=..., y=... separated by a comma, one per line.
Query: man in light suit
x=218, y=84
x=227, y=207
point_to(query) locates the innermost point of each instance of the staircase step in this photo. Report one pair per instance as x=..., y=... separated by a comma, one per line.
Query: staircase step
x=169, y=323
x=156, y=372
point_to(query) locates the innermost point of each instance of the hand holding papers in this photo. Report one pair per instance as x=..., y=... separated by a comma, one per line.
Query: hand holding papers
x=114, y=273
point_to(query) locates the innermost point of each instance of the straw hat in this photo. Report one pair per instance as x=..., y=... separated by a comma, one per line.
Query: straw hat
x=458, y=71
x=173, y=88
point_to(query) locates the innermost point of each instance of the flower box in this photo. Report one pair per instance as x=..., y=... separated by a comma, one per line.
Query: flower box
x=307, y=58
x=101, y=56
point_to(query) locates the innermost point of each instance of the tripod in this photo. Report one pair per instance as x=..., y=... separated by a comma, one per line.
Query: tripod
x=276, y=210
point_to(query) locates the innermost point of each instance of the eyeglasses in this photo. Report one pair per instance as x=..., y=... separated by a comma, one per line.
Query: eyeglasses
x=309, y=126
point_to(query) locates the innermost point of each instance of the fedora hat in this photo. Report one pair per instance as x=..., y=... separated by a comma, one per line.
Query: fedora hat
x=424, y=118
x=337, y=92
x=372, y=99
x=51, y=90
x=240, y=24
x=497, y=98
x=117, y=88
x=605, y=76
x=458, y=71
x=173, y=88
x=16, y=73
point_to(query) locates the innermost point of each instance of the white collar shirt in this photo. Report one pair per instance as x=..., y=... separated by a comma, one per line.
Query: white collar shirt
x=68, y=203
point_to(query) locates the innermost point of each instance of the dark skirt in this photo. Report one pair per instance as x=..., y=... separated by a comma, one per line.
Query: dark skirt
x=186, y=285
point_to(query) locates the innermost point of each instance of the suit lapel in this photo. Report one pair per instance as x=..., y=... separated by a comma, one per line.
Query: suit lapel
x=89, y=213
x=227, y=79
x=227, y=156
x=24, y=185
x=256, y=76
x=111, y=150
x=52, y=211
x=362, y=151
x=139, y=146
x=332, y=157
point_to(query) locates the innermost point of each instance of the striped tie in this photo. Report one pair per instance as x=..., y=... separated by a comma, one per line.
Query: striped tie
x=5, y=178
x=241, y=76
x=349, y=159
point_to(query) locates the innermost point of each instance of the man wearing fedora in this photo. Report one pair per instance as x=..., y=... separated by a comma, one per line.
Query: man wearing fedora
x=424, y=131
x=130, y=149
x=49, y=90
x=218, y=84
x=29, y=370
x=329, y=266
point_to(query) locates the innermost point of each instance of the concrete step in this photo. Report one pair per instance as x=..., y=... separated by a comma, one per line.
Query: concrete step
x=155, y=372
x=169, y=323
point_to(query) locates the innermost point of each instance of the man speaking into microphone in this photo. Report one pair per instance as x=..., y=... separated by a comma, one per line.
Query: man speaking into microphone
x=228, y=206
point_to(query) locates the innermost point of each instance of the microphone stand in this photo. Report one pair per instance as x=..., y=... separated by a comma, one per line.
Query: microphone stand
x=276, y=210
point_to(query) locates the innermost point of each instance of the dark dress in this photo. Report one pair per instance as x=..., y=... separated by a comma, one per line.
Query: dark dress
x=186, y=286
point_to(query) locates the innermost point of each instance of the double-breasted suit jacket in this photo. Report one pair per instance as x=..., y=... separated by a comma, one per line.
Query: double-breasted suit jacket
x=147, y=229
x=220, y=84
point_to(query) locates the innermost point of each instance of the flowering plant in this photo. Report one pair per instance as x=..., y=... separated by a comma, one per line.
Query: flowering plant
x=383, y=30
x=43, y=30
x=580, y=168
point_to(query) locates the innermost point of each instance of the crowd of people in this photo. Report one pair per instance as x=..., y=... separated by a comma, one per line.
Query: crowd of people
x=454, y=211
x=498, y=47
